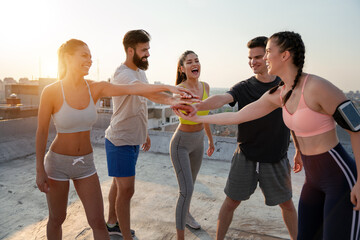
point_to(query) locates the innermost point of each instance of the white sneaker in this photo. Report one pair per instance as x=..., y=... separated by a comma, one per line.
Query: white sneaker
x=191, y=222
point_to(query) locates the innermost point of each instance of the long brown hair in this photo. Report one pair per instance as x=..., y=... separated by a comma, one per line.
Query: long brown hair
x=181, y=76
x=292, y=42
x=69, y=47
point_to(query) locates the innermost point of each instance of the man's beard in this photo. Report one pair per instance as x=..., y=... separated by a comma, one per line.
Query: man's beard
x=143, y=65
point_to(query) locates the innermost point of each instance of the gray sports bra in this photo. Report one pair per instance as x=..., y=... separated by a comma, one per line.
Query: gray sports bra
x=70, y=120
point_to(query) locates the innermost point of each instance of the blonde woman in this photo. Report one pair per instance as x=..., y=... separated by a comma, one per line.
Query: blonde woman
x=71, y=103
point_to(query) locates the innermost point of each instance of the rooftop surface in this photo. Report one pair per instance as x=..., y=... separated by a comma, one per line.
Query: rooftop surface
x=23, y=213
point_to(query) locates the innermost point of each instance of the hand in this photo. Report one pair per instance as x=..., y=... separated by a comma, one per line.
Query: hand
x=298, y=164
x=177, y=99
x=42, y=181
x=177, y=111
x=188, y=109
x=355, y=196
x=183, y=92
x=211, y=149
x=146, y=146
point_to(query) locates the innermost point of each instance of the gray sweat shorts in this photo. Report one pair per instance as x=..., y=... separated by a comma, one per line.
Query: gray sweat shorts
x=63, y=167
x=274, y=179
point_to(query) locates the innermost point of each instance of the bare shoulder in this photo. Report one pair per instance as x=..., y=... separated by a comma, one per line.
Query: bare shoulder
x=272, y=98
x=322, y=95
x=318, y=86
x=207, y=86
x=51, y=90
x=51, y=95
x=90, y=82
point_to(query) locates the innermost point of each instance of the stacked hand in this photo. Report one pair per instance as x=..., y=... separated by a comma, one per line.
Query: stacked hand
x=185, y=111
x=183, y=100
x=183, y=92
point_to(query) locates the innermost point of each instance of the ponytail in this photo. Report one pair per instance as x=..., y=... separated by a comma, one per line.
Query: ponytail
x=180, y=75
x=67, y=48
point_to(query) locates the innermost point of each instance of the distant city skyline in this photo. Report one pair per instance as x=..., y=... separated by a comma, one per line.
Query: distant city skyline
x=217, y=30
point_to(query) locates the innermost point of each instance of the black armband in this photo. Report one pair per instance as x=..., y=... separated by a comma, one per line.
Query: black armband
x=347, y=116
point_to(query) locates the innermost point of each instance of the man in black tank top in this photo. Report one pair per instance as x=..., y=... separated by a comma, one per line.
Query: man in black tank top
x=261, y=155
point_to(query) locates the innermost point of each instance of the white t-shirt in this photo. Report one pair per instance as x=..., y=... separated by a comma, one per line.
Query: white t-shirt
x=128, y=125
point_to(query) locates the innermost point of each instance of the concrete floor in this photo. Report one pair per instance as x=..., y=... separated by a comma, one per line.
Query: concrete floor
x=24, y=211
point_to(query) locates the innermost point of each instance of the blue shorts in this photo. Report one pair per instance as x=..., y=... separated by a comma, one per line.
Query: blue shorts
x=121, y=160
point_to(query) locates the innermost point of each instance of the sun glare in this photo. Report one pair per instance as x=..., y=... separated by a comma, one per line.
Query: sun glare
x=27, y=25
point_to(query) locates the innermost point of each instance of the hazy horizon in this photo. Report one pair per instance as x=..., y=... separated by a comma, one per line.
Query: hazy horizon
x=216, y=30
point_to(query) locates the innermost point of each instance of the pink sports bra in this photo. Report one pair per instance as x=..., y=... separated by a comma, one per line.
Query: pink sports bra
x=306, y=122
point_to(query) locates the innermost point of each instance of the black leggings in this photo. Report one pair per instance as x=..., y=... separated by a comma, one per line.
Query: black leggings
x=325, y=209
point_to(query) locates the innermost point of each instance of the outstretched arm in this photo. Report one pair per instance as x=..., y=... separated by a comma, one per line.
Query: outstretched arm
x=109, y=90
x=214, y=102
x=167, y=99
x=263, y=106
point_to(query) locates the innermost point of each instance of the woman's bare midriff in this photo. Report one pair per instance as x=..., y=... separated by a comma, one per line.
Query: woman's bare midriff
x=191, y=128
x=72, y=144
x=319, y=143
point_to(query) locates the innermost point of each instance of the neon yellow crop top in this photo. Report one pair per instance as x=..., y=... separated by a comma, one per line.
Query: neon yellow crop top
x=199, y=113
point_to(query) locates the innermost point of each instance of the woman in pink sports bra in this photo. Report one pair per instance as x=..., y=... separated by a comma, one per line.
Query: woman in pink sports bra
x=330, y=199
x=71, y=104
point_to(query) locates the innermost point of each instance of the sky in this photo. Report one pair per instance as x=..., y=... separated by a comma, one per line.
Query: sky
x=217, y=30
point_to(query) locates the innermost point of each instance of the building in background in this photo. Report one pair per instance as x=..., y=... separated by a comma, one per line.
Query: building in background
x=21, y=99
x=2, y=92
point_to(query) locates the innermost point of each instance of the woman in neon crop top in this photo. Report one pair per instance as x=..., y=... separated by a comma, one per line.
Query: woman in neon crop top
x=71, y=104
x=186, y=146
x=330, y=199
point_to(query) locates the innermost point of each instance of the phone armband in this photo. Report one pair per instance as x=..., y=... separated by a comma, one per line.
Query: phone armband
x=347, y=116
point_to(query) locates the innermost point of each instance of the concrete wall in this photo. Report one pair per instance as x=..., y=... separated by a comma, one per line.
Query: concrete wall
x=17, y=112
x=17, y=139
x=160, y=141
x=224, y=146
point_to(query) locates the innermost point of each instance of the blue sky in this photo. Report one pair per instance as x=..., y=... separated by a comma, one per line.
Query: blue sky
x=217, y=30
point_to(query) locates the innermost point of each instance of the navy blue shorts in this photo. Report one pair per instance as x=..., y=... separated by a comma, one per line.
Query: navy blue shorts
x=325, y=209
x=121, y=160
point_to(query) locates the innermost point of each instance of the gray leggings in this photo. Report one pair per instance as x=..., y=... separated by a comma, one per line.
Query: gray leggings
x=186, y=151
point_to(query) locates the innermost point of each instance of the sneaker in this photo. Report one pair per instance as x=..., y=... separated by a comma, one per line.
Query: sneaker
x=191, y=222
x=116, y=230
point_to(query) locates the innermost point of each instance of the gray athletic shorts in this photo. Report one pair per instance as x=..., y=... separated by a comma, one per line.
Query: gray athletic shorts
x=63, y=167
x=274, y=179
